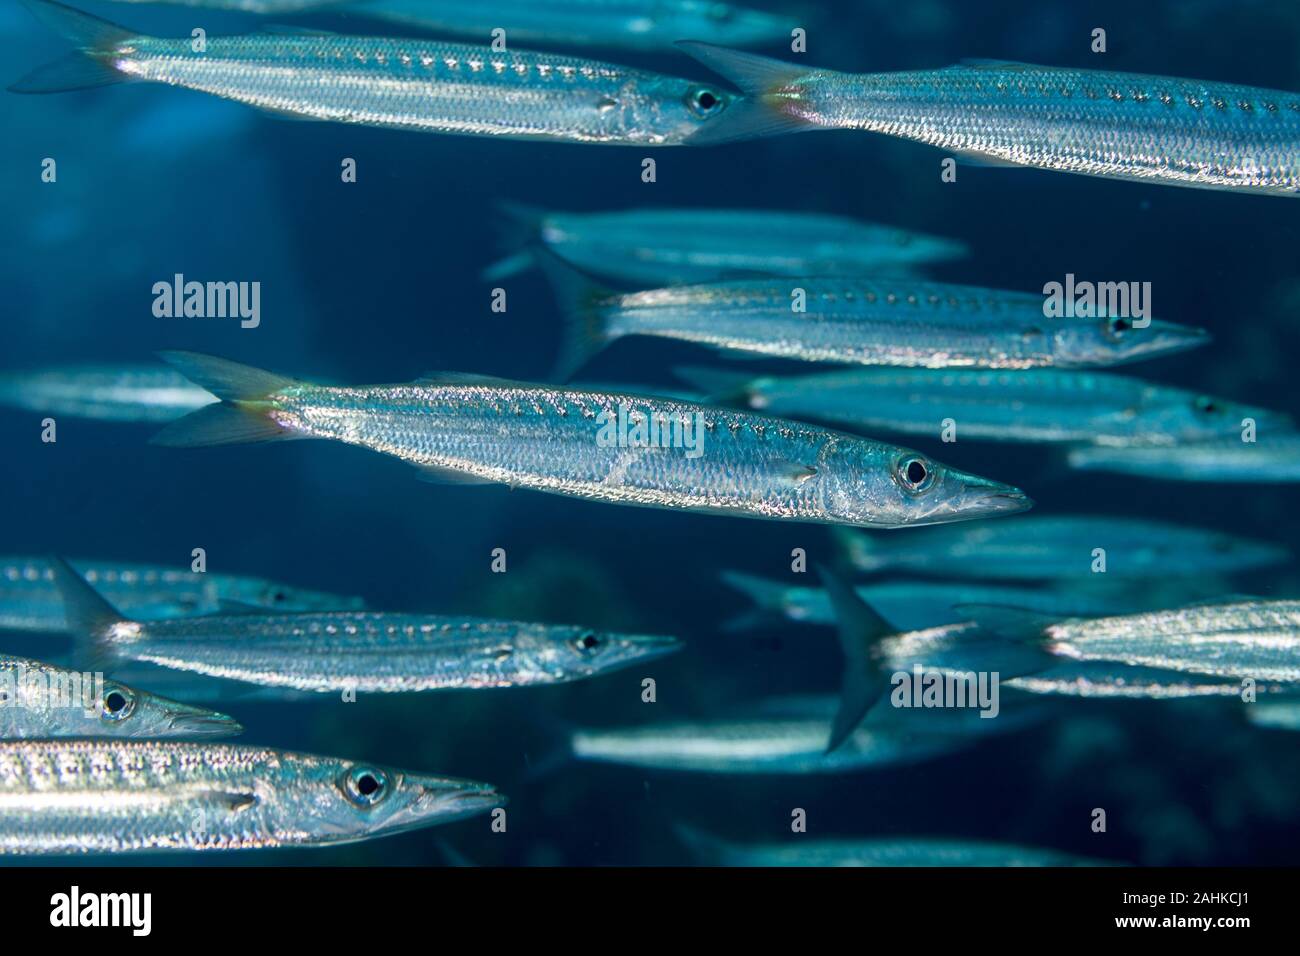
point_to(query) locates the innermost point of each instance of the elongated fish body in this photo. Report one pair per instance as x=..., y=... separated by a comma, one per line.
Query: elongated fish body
x=29, y=600
x=379, y=653
x=403, y=84
x=776, y=746
x=336, y=651
x=915, y=604
x=590, y=445
x=1113, y=125
x=1061, y=547
x=1256, y=639
x=39, y=700
x=658, y=247
x=1034, y=405
x=631, y=24
x=271, y=7
x=911, y=851
x=124, y=393
x=1273, y=458
x=853, y=321
x=1108, y=679
x=102, y=796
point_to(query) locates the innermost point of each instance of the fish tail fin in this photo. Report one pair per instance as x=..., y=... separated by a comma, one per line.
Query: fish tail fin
x=761, y=79
x=720, y=384
x=240, y=418
x=581, y=302
x=89, y=616
x=89, y=66
x=764, y=594
x=705, y=847
x=1012, y=623
x=518, y=229
x=857, y=550
x=866, y=675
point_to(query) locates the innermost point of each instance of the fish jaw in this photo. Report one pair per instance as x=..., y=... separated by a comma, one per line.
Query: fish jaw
x=965, y=497
x=443, y=800
x=182, y=720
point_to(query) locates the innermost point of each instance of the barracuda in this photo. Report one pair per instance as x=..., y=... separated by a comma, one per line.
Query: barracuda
x=1129, y=126
x=125, y=393
x=476, y=430
x=402, y=84
x=353, y=651
x=88, y=796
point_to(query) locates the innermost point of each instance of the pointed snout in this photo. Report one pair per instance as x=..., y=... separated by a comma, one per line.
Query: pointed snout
x=185, y=721
x=451, y=798
x=983, y=498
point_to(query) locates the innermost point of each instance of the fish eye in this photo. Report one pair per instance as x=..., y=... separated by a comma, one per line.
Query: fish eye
x=1207, y=405
x=914, y=473
x=118, y=704
x=278, y=596
x=587, y=641
x=702, y=101
x=365, y=786
x=1116, y=327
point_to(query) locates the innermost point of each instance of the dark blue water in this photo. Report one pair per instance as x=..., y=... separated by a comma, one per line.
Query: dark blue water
x=376, y=281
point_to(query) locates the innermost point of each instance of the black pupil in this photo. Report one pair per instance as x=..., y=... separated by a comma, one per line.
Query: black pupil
x=367, y=785
x=114, y=702
x=706, y=100
x=1119, y=325
x=589, y=641
x=1207, y=405
x=915, y=472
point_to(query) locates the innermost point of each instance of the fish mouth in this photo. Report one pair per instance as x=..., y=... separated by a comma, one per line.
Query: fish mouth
x=982, y=499
x=654, y=645
x=1169, y=338
x=200, y=723
x=458, y=798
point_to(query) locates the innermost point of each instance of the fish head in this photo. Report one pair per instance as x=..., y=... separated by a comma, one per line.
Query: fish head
x=866, y=483
x=121, y=711
x=1189, y=416
x=346, y=800
x=578, y=652
x=1114, y=340
x=665, y=111
x=272, y=594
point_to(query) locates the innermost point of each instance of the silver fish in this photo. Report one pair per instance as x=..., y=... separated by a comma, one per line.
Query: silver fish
x=402, y=84
x=631, y=24
x=1032, y=405
x=899, y=322
x=1049, y=547
x=1128, y=126
x=103, y=796
x=597, y=446
x=1237, y=638
x=1273, y=458
x=360, y=651
x=29, y=601
x=914, y=604
x=881, y=851
x=124, y=393
x=1108, y=679
x=783, y=745
x=1275, y=713
x=658, y=247
x=42, y=700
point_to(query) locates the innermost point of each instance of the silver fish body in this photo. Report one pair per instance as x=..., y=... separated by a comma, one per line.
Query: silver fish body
x=1127, y=126
x=105, y=393
x=902, y=321
x=29, y=600
x=39, y=700
x=1275, y=713
x=1061, y=547
x=598, y=446
x=631, y=24
x=102, y=796
x=884, y=851
x=1105, y=680
x=405, y=83
x=371, y=652
x=1238, y=639
x=1273, y=458
x=658, y=247
x=1033, y=405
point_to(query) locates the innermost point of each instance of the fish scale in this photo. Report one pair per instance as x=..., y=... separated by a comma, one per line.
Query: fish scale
x=82, y=796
